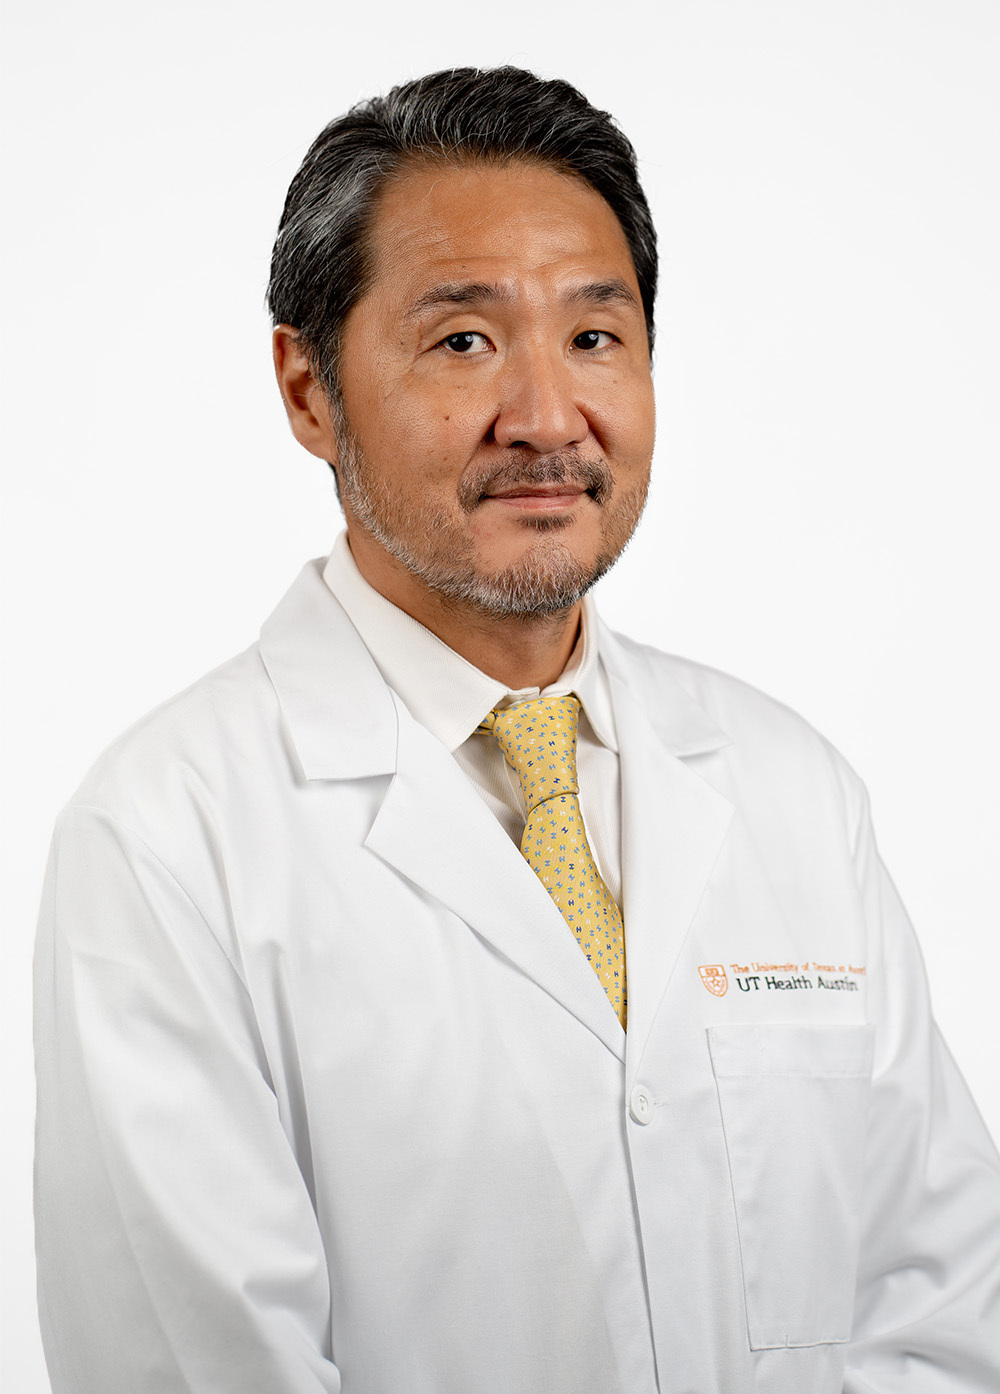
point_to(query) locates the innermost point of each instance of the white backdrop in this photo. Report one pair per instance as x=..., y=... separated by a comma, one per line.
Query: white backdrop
x=823, y=522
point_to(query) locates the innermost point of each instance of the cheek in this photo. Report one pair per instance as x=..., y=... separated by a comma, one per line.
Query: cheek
x=641, y=424
x=629, y=427
x=426, y=434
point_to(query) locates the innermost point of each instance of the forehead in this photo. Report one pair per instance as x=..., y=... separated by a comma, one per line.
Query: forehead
x=527, y=224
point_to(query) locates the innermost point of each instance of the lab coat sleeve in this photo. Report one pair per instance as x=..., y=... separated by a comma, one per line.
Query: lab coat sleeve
x=178, y=1249
x=928, y=1298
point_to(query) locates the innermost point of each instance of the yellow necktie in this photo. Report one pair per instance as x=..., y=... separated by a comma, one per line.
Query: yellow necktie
x=538, y=739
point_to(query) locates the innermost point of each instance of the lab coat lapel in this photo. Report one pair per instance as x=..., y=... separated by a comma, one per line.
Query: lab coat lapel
x=673, y=827
x=343, y=722
x=435, y=830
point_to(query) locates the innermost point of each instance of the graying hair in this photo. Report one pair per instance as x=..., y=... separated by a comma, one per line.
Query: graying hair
x=321, y=264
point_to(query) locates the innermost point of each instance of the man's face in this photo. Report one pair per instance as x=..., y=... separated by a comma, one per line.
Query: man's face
x=496, y=391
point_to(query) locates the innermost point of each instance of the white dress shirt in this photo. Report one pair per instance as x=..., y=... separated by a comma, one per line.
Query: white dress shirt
x=450, y=697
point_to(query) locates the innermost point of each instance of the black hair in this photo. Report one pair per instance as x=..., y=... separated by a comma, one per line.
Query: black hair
x=321, y=264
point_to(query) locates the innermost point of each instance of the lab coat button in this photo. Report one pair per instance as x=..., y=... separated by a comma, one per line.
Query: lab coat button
x=640, y=1105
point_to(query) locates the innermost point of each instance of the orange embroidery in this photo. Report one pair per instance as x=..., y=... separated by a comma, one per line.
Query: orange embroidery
x=713, y=975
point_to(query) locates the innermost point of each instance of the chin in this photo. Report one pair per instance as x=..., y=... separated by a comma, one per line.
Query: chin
x=545, y=581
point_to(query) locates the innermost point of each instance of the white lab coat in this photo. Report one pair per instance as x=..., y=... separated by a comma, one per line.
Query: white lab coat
x=330, y=1099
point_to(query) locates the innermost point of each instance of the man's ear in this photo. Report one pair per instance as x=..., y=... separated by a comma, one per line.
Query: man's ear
x=305, y=400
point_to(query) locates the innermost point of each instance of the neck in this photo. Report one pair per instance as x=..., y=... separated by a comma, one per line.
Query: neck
x=518, y=650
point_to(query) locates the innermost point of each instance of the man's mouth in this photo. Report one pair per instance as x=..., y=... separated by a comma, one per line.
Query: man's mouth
x=542, y=496
x=541, y=484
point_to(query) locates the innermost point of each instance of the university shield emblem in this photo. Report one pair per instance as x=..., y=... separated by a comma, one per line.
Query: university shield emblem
x=713, y=975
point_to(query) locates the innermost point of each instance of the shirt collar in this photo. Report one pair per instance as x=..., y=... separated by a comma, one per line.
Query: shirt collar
x=441, y=689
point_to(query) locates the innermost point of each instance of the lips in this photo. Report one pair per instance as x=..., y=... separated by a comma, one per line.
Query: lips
x=559, y=490
x=545, y=482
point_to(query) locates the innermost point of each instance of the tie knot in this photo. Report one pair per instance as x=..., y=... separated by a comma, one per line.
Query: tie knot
x=538, y=739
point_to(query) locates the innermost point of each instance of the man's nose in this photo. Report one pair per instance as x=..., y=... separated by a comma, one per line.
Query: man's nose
x=540, y=409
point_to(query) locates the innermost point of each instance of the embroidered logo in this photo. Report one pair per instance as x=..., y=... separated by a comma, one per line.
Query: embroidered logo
x=713, y=975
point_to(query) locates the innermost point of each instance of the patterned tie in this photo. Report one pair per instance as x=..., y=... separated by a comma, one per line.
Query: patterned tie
x=538, y=739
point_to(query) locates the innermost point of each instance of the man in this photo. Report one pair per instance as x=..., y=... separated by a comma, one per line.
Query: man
x=447, y=994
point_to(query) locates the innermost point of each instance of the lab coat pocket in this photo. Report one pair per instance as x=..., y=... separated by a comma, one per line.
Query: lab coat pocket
x=794, y=1102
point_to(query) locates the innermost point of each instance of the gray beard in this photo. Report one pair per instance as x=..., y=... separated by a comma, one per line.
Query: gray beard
x=547, y=580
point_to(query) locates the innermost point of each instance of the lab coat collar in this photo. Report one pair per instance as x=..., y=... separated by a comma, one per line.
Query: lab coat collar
x=684, y=727
x=341, y=716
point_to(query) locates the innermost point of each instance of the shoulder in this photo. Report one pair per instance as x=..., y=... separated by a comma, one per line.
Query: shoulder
x=759, y=737
x=199, y=741
x=736, y=706
x=729, y=700
x=232, y=731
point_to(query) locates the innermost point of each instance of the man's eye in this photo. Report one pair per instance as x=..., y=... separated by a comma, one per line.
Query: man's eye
x=466, y=343
x=593, y=339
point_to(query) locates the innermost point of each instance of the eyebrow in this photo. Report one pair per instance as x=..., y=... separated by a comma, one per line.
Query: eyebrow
x=460, y=293
x=610, y=292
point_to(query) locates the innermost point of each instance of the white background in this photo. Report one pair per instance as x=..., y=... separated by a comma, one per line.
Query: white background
x=824, y=517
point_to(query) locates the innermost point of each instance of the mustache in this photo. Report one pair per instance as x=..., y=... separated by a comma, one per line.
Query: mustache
x=593, y=476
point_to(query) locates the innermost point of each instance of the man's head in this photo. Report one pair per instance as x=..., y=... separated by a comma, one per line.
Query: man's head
x=321, y=263
x=463, y=289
